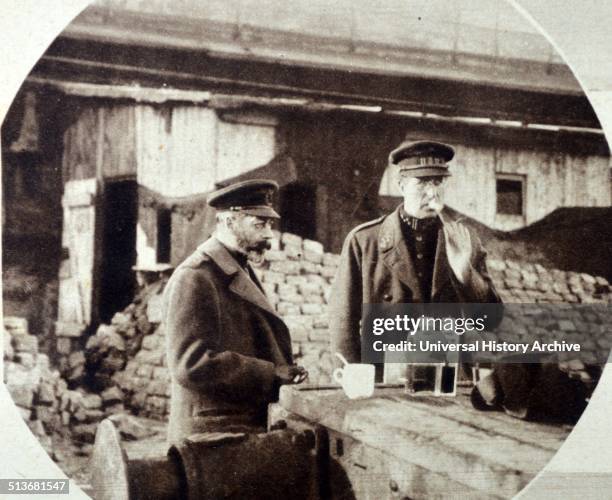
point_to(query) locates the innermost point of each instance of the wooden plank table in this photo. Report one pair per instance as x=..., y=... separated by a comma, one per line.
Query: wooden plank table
x=395, y=445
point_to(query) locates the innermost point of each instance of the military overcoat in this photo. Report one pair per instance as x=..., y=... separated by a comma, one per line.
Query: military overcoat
x=377, y=267
x=224, y=340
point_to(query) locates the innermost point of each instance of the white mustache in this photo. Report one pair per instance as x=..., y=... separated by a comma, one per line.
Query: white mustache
x=435, y=205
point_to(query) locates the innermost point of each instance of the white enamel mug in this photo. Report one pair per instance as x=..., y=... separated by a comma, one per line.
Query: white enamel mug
x=356, y=379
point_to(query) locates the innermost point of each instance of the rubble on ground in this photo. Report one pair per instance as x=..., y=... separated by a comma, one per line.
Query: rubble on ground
x=43, y=397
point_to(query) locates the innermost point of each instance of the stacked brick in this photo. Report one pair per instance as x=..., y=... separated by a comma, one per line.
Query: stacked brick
x=519, y=282
x=126, y=359
x=145, y=380
x=70, y=356
x=582, y=316
x=296, y=276
x=42, y=396
x=124, y=362
x=108, y=351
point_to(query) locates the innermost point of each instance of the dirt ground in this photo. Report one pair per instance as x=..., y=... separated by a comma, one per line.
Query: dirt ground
x=74, y=460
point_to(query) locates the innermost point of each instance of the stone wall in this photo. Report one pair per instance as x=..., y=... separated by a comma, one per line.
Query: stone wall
x=519, y=282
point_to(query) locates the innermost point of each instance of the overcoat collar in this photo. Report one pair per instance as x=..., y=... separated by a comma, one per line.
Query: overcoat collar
x=397, y=258
x=241, y=284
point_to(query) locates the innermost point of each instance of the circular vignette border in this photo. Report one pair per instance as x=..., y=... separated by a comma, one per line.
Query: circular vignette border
x=582, y=468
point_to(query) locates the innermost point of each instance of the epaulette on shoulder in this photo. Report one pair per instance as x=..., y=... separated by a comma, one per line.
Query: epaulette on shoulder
x=367, y=224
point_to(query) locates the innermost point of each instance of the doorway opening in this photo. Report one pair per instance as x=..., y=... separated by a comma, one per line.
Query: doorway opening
x=298, y=209
x=120, y=212
x=164, y=235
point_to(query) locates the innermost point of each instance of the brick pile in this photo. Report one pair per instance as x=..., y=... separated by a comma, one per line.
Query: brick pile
x=146, y=380
x=109, y=350
x=124, y=363
x=297, y=275
x=42, y=396
x=519, y=282
x=127, y=357
x=583, y=317
x=31, y=295
x=70, y=358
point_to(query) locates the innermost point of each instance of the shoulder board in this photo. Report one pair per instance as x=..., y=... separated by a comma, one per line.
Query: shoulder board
x=370, y=223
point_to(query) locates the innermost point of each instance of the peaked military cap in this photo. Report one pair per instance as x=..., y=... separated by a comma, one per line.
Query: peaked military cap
x=252, y=197
x=422, y=158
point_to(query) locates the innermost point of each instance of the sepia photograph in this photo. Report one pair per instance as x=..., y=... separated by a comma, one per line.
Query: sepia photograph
x=227, y=225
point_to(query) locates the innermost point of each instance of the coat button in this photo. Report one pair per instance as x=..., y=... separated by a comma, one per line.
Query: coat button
x=419, y=238
x=387, y=297
x=419, y=256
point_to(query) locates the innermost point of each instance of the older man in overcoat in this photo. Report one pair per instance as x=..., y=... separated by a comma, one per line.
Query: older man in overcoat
x=421, y=252
x=228, y=350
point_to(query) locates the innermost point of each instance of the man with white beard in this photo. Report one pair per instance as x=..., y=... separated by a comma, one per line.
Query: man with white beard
x=228, y=350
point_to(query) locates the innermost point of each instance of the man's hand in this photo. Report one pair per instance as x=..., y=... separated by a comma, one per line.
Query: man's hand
x=458, y=248
x=291, y=374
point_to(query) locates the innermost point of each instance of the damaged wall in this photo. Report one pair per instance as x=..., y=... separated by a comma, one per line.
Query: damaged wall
x=182, y=152
x=31, y=212
x=172, y=150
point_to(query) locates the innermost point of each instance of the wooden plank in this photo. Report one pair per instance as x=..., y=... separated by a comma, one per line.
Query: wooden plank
x=176, y=149
x=118, y=145
x=194, y=139
x=197, y=70
x=571, y=179
x=135, y=93
x=544, y=435
x=354, y=470
x=242, y=147
x=80, y=145
x=446, y=438
x=78, y=236
x=371, y=472
x=153, y=143
x=64, y=329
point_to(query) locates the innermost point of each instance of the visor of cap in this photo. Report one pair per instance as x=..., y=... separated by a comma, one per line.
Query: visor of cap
x=424, y=172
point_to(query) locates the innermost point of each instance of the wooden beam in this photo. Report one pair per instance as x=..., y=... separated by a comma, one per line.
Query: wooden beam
x=131, y=92
x=107, y=63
